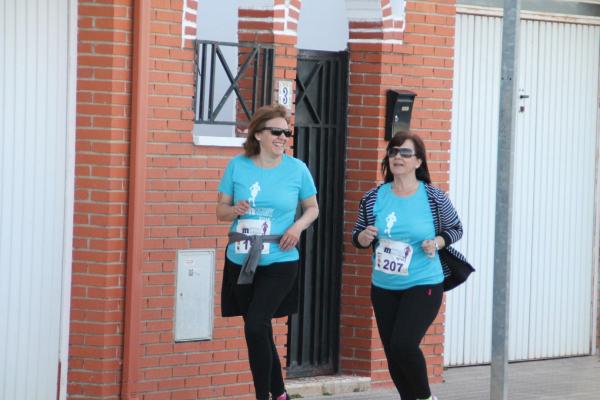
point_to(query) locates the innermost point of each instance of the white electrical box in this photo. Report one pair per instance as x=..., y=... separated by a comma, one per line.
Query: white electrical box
x=194, y=306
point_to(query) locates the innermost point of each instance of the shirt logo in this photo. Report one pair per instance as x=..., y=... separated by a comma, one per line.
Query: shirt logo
x=254, y=189
x=390, y=220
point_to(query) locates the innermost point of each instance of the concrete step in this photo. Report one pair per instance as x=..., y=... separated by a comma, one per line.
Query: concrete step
x=326, y=385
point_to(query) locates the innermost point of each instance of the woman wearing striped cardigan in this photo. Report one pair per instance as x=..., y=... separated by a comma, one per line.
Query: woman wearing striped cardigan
x=410, y=226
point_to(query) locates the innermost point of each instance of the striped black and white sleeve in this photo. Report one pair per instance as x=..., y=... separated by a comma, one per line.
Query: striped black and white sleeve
x=452, y=229
x=365, y=216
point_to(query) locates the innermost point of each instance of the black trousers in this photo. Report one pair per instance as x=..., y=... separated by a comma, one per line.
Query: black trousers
x=403, y=317
x=271, y=285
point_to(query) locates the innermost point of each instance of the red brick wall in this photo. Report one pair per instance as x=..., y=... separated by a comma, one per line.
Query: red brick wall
x=181, y=193
x=423, y=64
x=358, y=340
x=180, y=214
x=427, y=69
x=100, y=221
x=177, y=211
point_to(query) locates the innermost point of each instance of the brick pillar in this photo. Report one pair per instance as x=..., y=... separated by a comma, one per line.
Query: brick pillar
x=276, y=27
x=100, y=221
x=360, y=348
x=181, y=197
x=427, y=68
x=407, y=48
x=178, y=206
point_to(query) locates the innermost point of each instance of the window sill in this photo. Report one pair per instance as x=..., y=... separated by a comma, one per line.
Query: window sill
x=218, y=141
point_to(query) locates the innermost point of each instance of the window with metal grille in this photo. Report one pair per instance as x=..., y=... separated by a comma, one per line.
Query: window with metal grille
x=228, y=93
x=231, y=79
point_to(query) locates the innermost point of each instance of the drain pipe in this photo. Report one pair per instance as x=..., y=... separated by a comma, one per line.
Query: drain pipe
x=137, y=189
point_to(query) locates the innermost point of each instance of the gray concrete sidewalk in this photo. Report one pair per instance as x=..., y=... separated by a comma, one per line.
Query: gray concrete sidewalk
x=562, y=379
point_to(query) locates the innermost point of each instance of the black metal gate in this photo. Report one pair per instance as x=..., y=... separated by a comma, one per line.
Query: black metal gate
x=320, y=141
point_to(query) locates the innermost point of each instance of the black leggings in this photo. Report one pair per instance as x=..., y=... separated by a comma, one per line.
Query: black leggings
x=271, y=285
x=403, y=317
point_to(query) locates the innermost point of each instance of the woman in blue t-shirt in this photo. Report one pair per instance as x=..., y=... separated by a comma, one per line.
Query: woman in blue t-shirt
x=260, y=192
x=407, y=222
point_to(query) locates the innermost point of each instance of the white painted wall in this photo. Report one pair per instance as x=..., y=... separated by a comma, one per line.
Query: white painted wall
x=218, y=21
x=323, y=25
x=36, y=194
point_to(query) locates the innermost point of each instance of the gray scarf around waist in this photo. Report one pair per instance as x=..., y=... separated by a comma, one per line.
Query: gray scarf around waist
x=251, y=262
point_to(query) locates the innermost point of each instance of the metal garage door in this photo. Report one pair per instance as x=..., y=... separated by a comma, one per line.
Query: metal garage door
x=36, y=194
x=554, y=188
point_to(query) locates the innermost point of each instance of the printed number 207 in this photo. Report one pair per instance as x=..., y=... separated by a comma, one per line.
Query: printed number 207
x=391, y=265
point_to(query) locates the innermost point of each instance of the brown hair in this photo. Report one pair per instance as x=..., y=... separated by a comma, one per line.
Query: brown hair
x=257, y=124
x=399, y=138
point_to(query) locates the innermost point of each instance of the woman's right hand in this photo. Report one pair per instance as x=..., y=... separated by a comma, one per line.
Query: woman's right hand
x=366, y=237
x=241, y=207
x=227, y=211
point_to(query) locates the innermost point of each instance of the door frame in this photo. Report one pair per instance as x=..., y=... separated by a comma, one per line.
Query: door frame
x=67, y=262
x=341, y=112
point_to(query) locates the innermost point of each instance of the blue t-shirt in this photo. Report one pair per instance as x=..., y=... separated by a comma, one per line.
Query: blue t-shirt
x=273, y=194
x=403, y=223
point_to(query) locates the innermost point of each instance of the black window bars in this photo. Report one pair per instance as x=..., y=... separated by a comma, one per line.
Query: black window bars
x=253, y=83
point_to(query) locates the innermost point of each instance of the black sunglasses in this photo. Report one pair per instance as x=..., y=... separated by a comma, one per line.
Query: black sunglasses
x=402, y=151
x=278, y=131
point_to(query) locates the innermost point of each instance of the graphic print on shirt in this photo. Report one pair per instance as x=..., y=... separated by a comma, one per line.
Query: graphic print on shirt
x=260, y=226
x=390, y=220
x=254, y=189
x=392, y=256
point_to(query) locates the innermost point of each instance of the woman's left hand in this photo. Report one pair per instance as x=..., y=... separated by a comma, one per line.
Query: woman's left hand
x=290, y=238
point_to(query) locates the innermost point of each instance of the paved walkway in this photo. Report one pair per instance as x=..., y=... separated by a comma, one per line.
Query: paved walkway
x=563, y=379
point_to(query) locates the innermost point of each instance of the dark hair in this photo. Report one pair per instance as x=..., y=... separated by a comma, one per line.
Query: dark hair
x=399, y=138
x=257, y=124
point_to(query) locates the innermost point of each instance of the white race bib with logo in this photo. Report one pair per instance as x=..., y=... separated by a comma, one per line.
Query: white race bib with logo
x=252, y=227
x=393, y=257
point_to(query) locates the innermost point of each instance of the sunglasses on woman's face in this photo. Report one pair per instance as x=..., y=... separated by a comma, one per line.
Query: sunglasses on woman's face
x=278, y=131
x=402, y=151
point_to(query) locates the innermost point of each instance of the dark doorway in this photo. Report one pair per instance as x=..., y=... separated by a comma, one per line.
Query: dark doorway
x=320, y=141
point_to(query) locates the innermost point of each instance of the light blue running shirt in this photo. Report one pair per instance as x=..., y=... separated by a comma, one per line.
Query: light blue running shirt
x=274, y=194
x=403, y=223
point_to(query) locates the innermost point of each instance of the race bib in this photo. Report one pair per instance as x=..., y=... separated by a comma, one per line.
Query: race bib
x=393, y=257
x=252, y=227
